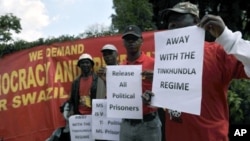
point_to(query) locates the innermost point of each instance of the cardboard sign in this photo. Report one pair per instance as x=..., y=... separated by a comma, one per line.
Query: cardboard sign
x=124, y=91
x=80, y=127
x=177, y=81
x=104, y=128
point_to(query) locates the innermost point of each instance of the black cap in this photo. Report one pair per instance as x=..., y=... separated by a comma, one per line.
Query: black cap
x=132, y=30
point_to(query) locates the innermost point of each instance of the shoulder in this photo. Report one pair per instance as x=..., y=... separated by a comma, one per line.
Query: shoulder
x=214, y=48
x=77, y=79
x=147, y=57
x=215, y=52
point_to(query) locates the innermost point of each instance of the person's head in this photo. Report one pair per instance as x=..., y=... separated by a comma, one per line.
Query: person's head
x=110, y=53
x=132, y=39
x=85, y=63
x=183, y=14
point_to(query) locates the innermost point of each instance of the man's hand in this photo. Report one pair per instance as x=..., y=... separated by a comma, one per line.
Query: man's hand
x=146, y=97
x=214, y=24
x=148, y=75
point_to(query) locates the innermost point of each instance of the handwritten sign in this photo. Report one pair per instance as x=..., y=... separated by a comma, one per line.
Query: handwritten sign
x=104, y=128
x=124, y=91
x=80, y=127
x=177, y=81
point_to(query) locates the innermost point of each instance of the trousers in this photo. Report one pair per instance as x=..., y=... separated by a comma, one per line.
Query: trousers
x=140, y=130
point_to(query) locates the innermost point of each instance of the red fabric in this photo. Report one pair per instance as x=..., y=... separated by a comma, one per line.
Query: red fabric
x=213, y=123
x=35, y=82
x=147, y=64
x=84, y=89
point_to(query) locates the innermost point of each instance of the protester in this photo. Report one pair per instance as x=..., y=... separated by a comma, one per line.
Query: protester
x=225, y=59
x=84, y=87
x=148, y=128
x=110, y=55
x=63, y=133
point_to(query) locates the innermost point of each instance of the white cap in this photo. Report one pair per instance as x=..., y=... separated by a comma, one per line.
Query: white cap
x=85, y=56
x=109, y=47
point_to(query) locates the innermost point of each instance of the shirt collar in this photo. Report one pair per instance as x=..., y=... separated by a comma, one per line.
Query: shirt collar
x=138, y=60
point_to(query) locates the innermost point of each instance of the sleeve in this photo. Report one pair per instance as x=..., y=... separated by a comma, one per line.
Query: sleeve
x=94, y=87
x=71, y=97
x=74, y=96
x=101, y=89
x=235, y=45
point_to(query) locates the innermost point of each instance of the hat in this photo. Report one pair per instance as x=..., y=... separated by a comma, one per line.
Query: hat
x=85, y=56
x=109, y=47
x=133, y=30
x=184, y=7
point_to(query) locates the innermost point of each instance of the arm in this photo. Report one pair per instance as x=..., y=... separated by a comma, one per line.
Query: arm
x=101, y=89
x=234, y=44
x=231, y=41
x=74, y=95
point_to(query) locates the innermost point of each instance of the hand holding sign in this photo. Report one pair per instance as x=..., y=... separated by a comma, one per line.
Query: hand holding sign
x=146, y=97
x=148, y=75
x=178, y=69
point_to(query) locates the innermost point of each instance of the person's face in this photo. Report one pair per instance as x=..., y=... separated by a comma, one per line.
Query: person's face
x=85, y=65
x=132, y=43
x=178, y=20
x=110, y=57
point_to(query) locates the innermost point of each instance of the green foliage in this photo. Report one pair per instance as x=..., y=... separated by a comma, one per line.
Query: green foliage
x=137, y=12
x=239, y=101
x=9, y=23
x=21, y=44
x=98, y=31
x=236, y=113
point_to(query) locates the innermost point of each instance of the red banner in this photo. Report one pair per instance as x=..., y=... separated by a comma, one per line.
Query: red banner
x=35, y=82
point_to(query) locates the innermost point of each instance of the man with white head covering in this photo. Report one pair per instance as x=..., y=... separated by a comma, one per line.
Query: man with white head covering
x=110, y=56
x=84, y=87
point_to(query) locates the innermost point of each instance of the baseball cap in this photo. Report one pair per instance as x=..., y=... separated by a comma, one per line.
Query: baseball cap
x=132, y=30
x=109, y=47
x=184, y=7
x=86, y=56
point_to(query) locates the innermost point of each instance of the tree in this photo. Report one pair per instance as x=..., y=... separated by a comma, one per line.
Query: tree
x=239, y=101
x=8, y=24
x=235, y=13
x=97, y=30
x=137, y=12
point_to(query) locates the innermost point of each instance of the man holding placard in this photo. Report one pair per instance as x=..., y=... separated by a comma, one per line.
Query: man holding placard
x=226, y=59
x=148, y=128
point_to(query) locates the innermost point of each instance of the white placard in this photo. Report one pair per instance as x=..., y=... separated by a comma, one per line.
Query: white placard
x=177, y=81
x=80, y=127
x=124, y=90
x=104, y=128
